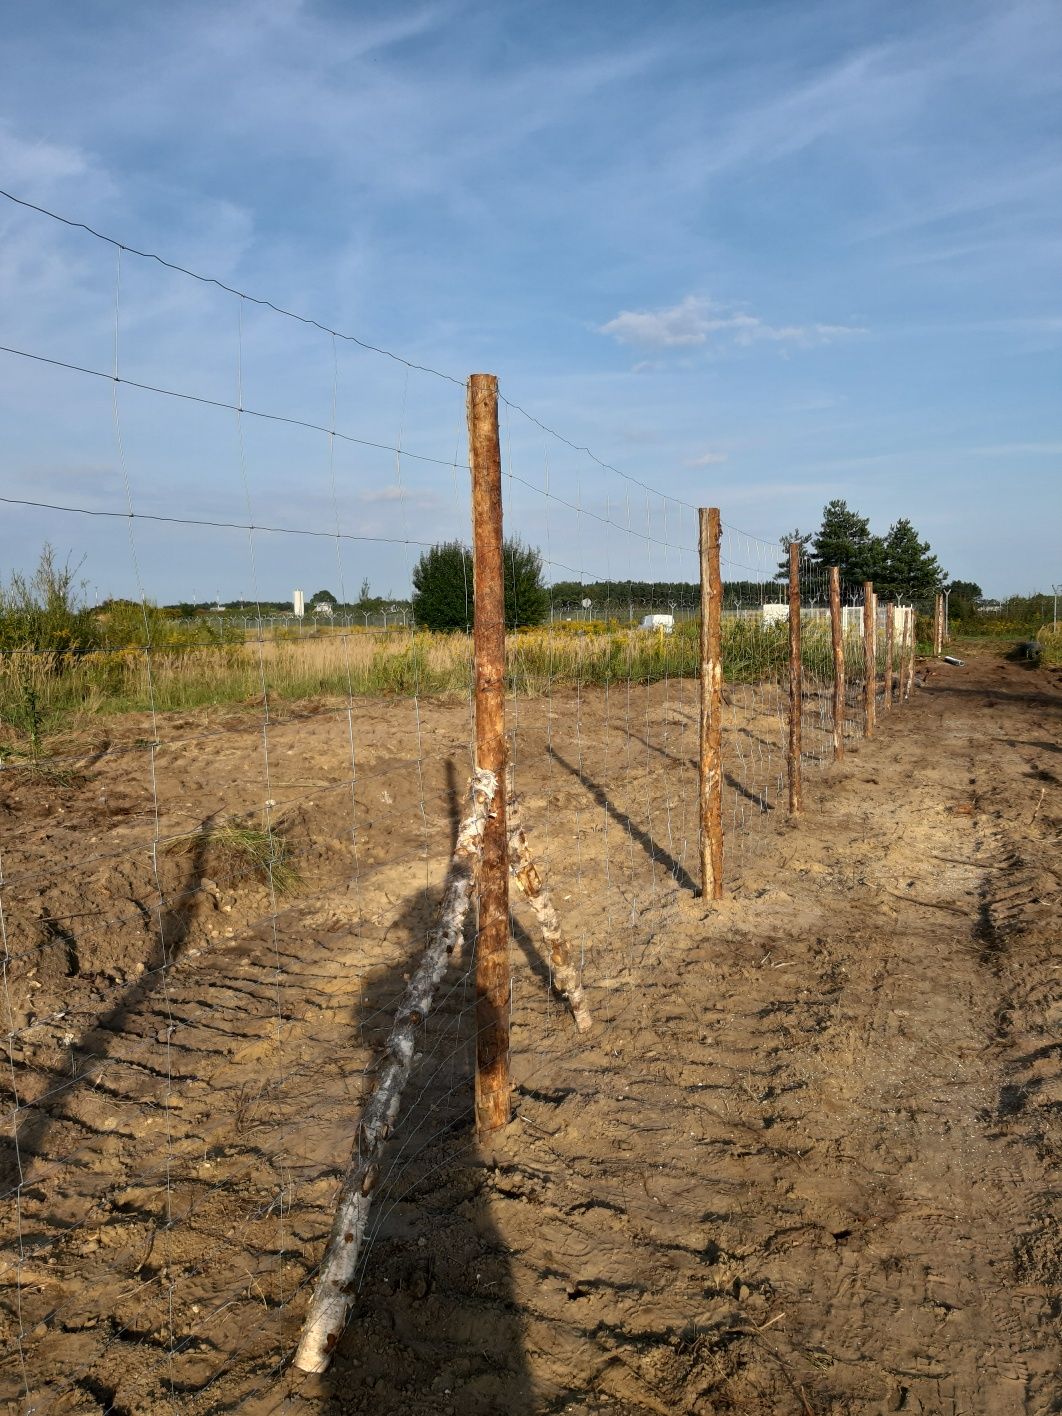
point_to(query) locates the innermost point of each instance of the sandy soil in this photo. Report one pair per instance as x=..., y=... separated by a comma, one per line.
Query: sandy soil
x=806, y=1162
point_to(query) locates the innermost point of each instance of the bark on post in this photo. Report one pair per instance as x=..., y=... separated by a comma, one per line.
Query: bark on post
x=492, y=943
x=870, y=657
x=890, y=616
x=938, y=625
x=711, y=737
x=796, y=682
x=837, y=635
x=563, y=973
x=332, y=1296
x=912, y=625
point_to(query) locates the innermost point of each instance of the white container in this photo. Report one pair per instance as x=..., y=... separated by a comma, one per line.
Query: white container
x=662, y=622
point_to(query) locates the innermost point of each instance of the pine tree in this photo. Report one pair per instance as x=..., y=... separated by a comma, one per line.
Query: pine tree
x=844, y=540
x=803, y=540
x=909, y=570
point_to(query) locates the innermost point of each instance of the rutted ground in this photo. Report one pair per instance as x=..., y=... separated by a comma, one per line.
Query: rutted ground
x=803, y=1164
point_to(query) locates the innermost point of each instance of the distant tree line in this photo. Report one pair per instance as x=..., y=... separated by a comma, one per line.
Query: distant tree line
x=366, y=603
x=900, y=563
x=614, y=597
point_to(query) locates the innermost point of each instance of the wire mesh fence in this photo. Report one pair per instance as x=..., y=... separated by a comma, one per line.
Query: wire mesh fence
x=225, y=835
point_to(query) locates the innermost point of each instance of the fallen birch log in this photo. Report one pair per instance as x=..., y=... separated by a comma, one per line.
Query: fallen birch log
x=332, y=1297
x=564, y=974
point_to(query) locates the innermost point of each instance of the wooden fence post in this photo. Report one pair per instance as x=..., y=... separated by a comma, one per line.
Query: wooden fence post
x=711, y=764
x=870, y=658
x=912, y=625
x=796, y=682
x=492, y=945
x=837, y=635
x=890, y=611
x=938, y=625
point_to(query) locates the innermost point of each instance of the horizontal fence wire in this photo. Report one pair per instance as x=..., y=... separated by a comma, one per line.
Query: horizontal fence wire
x=224, y=835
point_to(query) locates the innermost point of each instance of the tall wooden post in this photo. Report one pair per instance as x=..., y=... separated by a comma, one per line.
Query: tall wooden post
x=912, y=625
x=938, y=625
x=870, y=658
x=890, y=612
x=492, y=945
x=837, y=635
x=796, y=682
x=711, y=763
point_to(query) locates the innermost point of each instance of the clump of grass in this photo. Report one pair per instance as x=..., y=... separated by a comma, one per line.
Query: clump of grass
x=1050, y=640
x=237, y=849
x=49, y=773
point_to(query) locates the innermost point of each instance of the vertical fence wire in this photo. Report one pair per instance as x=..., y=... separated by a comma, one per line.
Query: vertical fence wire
x=228, y=828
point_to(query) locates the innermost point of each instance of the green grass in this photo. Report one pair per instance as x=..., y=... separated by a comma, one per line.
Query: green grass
x=237, y=849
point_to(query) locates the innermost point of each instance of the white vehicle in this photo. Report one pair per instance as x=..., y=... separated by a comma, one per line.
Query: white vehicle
x=665, y=623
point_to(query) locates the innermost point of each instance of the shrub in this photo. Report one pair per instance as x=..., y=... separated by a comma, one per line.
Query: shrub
x=443, y=587
x=45, y=613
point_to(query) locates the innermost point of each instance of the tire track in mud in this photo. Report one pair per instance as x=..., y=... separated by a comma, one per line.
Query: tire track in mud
x=932, y=1304
x=801, y=1165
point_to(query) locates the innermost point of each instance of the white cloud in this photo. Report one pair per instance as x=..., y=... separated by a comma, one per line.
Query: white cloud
x=681, y=324
x=403, y=495
x=707, y=459
x=34, y=165
x=694, y=320
x=384, y=494
x=1026, y=449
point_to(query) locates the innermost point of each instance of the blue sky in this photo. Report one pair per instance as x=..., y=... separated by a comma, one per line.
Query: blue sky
x=754, y=254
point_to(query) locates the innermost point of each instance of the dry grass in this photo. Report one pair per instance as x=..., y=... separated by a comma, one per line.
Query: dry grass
x=40, y=695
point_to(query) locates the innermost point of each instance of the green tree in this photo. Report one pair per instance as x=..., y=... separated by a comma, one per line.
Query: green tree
x=443, y=586
x=844, y=539
x=909, y=570
x=324, y=597
x=963, y=598
x=365, y=593
x=803, y=540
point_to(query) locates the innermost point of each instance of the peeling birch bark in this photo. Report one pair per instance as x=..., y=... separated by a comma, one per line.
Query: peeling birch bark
x=564, y=974
x=333, y=1294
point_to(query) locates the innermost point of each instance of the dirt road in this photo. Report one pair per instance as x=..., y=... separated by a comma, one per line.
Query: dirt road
x=805, y=1163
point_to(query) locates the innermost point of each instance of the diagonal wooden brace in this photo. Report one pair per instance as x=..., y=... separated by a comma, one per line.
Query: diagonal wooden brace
x=526, y=874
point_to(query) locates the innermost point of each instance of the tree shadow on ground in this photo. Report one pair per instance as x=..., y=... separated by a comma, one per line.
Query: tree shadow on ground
x=434, y=1328
x=995, y=695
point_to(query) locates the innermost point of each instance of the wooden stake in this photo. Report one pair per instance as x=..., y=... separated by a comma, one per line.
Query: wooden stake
x=870, y=658
x=837, y=635
x=332, y=1297
x=796, y=682
x=938, y=625
x=711, y=757
x=492, y=944
x=890, y=616
x=901, y=670
x=563, y=974
x=911, y=627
